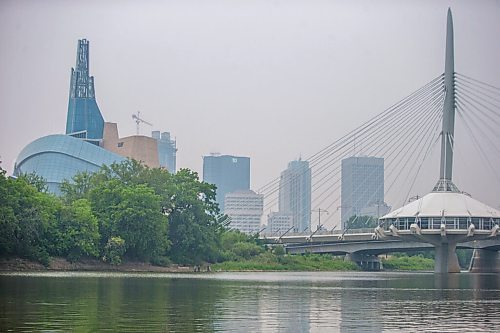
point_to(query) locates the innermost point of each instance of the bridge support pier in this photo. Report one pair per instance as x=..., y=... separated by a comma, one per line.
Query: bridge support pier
x=446, y=260
x=367, y=262
x=485, y=261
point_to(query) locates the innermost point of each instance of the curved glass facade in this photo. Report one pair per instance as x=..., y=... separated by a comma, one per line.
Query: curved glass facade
x=58, y=157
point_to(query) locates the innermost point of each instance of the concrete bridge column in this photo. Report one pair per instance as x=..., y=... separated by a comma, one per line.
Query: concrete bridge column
x=446, y=260
x=367, y=262
x=485, y=261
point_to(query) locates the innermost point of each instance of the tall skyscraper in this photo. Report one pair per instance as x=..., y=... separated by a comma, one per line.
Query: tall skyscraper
x=244, y=208
x=228, y=173
x=84, y=118
x=295, y=194
x=362, y=185
x=167, y=150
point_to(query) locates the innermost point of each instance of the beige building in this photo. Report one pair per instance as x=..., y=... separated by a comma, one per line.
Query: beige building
x=138, y=147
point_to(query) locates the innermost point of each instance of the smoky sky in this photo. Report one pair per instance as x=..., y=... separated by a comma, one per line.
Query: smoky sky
x=272, y=80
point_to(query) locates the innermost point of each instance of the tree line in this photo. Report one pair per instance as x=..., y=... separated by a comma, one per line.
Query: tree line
x=124, y=210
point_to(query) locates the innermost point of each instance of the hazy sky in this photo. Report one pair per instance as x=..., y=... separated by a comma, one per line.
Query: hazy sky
x=273, y=80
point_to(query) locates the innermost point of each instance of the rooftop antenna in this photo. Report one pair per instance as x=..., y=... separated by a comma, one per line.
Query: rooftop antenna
x=138, y=120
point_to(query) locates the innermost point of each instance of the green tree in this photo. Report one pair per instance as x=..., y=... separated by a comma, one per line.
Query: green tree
x=114, y=250
x=133, y=213
x=247, y=250
x=279, y=250
x=141, y=223
x=195, y=225
x=36, y=181
x=128, y=199
x=75, y=231
x=78, y=188
x=360, y=222
x=25, y=217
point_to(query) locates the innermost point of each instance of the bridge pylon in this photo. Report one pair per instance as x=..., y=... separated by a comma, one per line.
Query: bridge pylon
x=446, y=216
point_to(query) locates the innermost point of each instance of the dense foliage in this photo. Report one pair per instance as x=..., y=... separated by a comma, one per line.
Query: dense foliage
x=123, y=210
x=271, y=261
x=408, y=263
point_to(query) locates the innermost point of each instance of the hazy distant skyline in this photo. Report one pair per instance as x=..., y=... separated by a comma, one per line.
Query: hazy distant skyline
x=272, y=80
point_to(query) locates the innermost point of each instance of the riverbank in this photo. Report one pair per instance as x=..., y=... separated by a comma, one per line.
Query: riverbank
x=298, y=263
x=91, y=265
x=260, y=263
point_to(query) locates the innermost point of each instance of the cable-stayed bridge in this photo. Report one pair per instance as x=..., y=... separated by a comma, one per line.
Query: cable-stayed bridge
x=407, y=136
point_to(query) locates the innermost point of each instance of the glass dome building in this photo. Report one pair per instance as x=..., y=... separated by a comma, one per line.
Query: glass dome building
x=58, y=157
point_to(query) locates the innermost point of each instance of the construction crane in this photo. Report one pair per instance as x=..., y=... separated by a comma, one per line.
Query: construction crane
x=138, y=120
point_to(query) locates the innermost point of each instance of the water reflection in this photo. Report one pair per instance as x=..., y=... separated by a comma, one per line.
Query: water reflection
x=266, y=302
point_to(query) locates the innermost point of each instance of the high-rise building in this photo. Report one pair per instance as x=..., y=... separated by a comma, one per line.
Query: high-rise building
x=228, y=173
x=244, y=208
x=278, y=223
x=167, y=150
x=362, y=185
x=295, y=194
x=84, y=120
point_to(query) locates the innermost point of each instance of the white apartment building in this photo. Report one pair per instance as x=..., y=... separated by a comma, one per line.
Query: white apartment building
x=245, y=209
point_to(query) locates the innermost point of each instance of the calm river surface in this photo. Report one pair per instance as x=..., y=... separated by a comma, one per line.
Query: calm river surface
x=249, y=302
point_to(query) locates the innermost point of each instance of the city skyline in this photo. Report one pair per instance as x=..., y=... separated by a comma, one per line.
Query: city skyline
x=252, y=93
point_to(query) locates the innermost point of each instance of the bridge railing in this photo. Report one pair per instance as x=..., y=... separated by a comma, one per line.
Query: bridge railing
x=434, y=223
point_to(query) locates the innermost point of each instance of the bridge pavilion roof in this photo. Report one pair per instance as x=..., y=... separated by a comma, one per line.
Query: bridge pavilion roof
x=443, y=204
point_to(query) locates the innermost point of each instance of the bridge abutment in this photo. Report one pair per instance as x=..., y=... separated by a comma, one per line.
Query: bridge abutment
x=485, y=261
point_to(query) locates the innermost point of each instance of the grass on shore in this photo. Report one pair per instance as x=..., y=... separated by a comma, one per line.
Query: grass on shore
x=408, y=263
x=315, y=262
x=270, y=262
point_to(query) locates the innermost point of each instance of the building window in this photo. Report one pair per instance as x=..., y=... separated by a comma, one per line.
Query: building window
x=120, y=144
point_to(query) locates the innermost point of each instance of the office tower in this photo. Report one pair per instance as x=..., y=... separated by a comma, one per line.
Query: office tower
x=167, y=150
x=245, y=210
x=362, y=185
x=228, y=173
x=295, y=194
x=84, y=118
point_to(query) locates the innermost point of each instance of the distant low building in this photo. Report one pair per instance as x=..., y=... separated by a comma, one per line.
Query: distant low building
x=138, y=147
x=278, y=223
x=167, y=150
x=245, y=209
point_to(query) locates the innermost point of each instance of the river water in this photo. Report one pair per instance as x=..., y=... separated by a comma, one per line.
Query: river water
x=250, y=302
